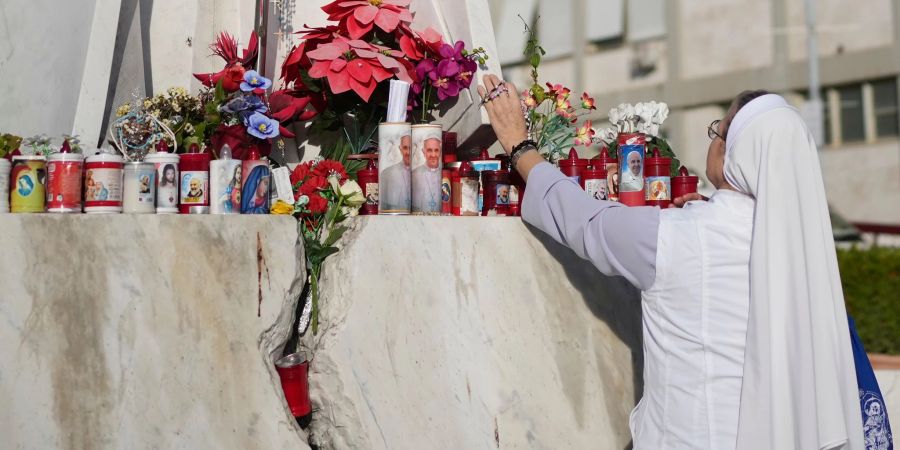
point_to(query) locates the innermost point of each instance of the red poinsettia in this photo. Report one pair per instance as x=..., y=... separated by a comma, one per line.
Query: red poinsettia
x=291, y=104
x=358, y=17
x=226, y=47
x=416, y=45
x=355, y=65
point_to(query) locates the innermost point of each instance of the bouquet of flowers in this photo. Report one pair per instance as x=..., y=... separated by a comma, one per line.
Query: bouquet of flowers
x=9, y=143
x=341, y=70
x=552, y=114
x=180, y=111
x=646, y=118
x=325, y=197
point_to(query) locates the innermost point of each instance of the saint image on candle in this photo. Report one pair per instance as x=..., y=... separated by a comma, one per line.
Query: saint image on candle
x=168, y=190
x=255, y=194
x=631, y=179
x=395, y=182
x=426, y=177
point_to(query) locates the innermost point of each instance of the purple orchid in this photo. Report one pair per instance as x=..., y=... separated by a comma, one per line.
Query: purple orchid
x=444, y=79
x=454, y=52
x=262, y=127
x=254, y=82
x=466, y=73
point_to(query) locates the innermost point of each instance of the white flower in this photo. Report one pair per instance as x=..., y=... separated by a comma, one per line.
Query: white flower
x=352, y=194
x=302, y=201
x=644, y=111
x=608, y=135
x=653, y=129
x=661, y=113
x=334, y=180
x=615, y=118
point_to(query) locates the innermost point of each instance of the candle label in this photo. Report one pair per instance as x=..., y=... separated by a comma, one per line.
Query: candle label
x=502, y=194
x=659, y=188
x=284, y=191
x=4, y=187
x=612, y=181
x=167, y=186
x=597, y=188
x=469, y=197
x=225, y=186
x=27, y=189
x=145, y=180
x=194, y=187
x=632, y=162
x=445, y=193
x=64, y=185
x=372, y=194
x=103, y=187
x=513, y=194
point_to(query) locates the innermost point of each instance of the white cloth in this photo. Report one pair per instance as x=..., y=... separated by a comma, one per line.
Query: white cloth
x=799, y=389
x=695, y=322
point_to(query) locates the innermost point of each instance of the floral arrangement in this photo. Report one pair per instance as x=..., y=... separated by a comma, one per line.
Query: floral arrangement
x=9, y=143
x=177, y=109
x=552, y=114
x=646, y=118
x=341, y=70
x=325, y=197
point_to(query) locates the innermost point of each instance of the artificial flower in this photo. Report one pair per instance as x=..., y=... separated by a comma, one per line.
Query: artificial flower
x=528, y=99
x=248, y=104
x=282, y=207
x=585, y=134
x=351, y=65
x=317, y=204
x=226, y=48
x=232, y=78
x=262, y=127
x=587, y=102
x=313, y=185
x=299, y=173
x=328, y=168
x=358, y=17
x=352, y=194
x=254, y=82
x=417, y=45
x=302, y=200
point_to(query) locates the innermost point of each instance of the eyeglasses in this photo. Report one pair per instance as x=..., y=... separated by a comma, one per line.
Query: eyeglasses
x=713, y=130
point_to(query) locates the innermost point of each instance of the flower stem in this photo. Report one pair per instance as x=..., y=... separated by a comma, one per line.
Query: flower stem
x=314, y=288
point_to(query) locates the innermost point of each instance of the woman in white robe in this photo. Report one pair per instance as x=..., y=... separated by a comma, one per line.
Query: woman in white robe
x=746, y=342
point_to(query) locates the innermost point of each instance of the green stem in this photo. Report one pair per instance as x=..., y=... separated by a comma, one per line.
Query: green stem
x=314, y=288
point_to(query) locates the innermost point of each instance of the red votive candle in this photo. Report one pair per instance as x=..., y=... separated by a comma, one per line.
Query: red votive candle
x=294, y=373
x=368, y=181
x=593, y=181
x=573, y=166
x=611, y=165
x=448, y=146
x=496, y=192
x=657, y=180
x=194, y=185
x=684, y=183
x=632, y=149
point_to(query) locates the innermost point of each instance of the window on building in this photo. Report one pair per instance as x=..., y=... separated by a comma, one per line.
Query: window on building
x=852, y=114
x=826, y=119
x=886, y=119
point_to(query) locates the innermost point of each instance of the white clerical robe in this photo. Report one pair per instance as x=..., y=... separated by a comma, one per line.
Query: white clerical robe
x=692, y=266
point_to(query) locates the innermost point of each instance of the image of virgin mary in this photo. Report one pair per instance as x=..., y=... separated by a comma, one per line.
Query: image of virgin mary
x=255, y=194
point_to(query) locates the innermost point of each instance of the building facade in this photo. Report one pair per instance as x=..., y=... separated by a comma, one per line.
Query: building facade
x=696, y=55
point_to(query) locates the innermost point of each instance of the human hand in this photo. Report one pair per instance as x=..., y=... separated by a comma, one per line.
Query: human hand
x=679, y=202
x=505, y=112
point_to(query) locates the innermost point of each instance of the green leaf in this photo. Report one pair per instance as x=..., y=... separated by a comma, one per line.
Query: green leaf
x=335, y=235
x=331, y=213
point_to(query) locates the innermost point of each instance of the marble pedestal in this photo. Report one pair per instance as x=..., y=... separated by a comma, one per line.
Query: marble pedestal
x=470, y=333
x=145, y=332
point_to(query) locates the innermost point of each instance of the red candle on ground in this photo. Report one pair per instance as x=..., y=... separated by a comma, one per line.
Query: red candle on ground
x=194, y=185
x=594, y=182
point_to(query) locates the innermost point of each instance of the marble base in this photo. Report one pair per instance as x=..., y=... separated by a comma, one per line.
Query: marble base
x=470, y=333
x=128, y=331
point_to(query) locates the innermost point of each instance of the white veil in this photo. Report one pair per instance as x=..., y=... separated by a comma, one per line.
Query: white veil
x=799, y=389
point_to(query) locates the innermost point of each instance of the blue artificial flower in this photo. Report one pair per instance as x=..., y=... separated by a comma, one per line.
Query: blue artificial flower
x=245, y=103
x=253, y=81
x=262, y=127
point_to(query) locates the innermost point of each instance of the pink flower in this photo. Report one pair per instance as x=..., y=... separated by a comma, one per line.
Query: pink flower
x=528, y=99
x=563, y=107
x=355, y=65
x=587, y=102
x=585, y=134
x=358, y=17
x=557, y=90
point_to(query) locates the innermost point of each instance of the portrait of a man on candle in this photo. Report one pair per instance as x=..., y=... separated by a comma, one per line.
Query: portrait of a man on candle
x=394, y=190
x=632, y=177
x=426, y=172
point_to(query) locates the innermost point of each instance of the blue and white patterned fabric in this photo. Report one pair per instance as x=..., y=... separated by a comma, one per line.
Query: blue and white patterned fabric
x=876, y=425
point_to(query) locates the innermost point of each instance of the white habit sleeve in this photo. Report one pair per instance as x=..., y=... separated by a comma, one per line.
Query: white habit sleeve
x=617, y=239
